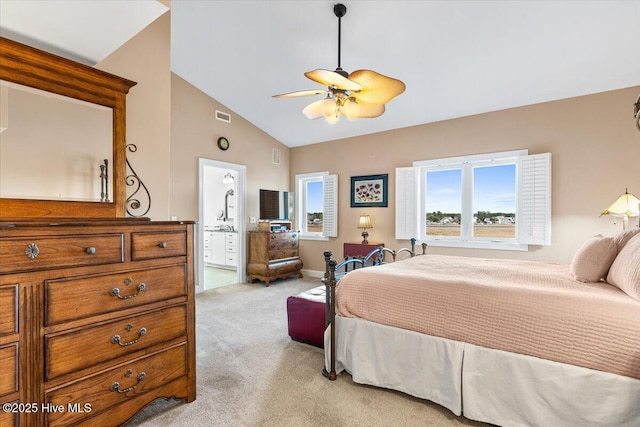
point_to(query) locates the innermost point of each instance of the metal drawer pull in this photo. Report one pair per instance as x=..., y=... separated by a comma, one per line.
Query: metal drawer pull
x=90, y=250
x=32, y=251
x=116, y=386
x=163, y=245
x=115, y=292
x=116, y=338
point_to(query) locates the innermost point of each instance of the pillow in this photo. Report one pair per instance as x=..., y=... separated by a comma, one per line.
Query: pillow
x=625, y=271
x=594, y=258
x=624, y=236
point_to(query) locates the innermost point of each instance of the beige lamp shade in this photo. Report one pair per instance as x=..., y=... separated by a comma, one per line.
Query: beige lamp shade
x=365, y=222
x=627, y=205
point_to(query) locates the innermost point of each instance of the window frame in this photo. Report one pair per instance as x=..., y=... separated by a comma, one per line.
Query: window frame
x=466, y=165
x=412, y=180
x=329, y=200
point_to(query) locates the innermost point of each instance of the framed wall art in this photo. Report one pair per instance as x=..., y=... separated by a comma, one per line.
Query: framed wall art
x=369, y=191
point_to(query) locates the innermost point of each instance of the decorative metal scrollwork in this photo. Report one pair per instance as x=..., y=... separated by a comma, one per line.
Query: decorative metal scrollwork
x=636, y=112
x=32, y=250
x=104, y=181
x=134, y=205
x=116, y=386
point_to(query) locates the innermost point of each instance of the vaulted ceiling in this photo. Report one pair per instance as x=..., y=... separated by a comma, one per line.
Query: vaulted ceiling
x=457, y=58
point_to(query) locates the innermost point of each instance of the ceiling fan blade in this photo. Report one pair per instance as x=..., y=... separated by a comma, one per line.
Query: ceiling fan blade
x=362, y=110
x=376, y=88
x=313, y=110
x=299, y=93
x=332, y=79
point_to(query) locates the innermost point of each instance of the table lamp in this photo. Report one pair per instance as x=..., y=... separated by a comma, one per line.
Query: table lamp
x=627, y=205
x=364, y=222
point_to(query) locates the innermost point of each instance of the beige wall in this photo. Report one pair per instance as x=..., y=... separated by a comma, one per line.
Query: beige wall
x=594, y=145
x=194, y=132
x=145, y=59
x=595, y=150
x=172, y=123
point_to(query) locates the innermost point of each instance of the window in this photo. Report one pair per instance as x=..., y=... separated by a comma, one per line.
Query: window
x=316, y=205
x=492, y=201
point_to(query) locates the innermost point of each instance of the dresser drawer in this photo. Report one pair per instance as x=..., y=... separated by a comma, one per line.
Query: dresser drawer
x=76, y=298
x=78, y=349
x=158, y=245
x=8, y=310
x=9, y=419
x=38, y=253
x=283, y=241
x=108, y=389
x=280, y=254
x=9, y=369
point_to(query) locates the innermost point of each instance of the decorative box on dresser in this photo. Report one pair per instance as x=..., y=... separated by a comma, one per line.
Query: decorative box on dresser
x=273, y=255
x=97, y=319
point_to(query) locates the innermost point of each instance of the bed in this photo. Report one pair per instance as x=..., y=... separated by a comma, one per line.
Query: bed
x=509, y=342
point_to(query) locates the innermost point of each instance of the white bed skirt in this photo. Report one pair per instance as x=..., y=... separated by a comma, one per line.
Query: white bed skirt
x=482, y=384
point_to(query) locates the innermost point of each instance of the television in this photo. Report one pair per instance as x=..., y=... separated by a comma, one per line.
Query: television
x=276, y=205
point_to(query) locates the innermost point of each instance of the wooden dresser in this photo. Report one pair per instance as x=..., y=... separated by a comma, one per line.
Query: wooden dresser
x=273, y=255
x=97, y=319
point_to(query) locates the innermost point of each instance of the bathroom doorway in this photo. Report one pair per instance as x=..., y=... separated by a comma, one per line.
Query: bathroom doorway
x=221, y=225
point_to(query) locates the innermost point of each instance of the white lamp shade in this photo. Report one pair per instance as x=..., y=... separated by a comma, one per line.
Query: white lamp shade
x=626, y=205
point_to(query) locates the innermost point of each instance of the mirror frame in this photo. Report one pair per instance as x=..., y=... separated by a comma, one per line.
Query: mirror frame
x=32, y=67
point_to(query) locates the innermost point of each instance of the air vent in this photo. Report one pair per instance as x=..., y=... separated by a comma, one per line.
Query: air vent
x=277, y=154
x=223, y=117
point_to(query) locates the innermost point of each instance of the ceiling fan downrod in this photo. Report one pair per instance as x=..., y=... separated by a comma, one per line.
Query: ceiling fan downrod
x=340, y=10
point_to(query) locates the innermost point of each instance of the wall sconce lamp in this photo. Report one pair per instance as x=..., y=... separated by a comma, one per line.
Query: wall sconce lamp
x=365, y=222
x=627, y=205
x=228, y=178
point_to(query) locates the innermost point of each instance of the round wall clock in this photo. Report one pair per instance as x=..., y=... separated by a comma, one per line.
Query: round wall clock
x=223, y=143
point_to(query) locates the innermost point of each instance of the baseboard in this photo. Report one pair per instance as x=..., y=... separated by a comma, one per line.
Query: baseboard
x=313, y=273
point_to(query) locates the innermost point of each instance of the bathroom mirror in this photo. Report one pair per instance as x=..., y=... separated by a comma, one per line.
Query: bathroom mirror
x=61, y=121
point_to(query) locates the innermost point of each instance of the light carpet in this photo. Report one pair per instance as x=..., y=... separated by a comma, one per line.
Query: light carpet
x=250, y=373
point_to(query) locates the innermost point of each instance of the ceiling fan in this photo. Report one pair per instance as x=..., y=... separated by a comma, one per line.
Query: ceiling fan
x=361, y=94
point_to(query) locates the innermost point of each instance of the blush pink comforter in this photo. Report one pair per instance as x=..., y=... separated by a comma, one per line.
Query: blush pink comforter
x=523, y=307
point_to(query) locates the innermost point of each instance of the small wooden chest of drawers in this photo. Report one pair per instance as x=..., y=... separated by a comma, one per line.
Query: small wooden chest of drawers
x=273, y=255
x=98, y=313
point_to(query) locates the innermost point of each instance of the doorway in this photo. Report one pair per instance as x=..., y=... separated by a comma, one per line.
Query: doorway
x=221, y=226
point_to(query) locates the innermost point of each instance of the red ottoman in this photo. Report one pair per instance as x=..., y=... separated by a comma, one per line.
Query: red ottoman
x=305, y=312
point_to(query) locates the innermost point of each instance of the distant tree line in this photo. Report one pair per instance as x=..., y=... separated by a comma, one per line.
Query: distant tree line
x=439, y=216
x=314, y=215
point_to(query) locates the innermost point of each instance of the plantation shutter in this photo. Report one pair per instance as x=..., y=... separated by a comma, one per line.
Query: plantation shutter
x=534, y=199
x=330, y=206
x=406, y=204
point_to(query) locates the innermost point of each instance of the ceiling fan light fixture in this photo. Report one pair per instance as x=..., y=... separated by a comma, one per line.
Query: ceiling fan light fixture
x=350, y=108
x=361, y=94
x=329, y=106
x=333, y=118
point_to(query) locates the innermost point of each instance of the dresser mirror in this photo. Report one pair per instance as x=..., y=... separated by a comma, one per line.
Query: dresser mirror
x=62, y=140
x=53, y=147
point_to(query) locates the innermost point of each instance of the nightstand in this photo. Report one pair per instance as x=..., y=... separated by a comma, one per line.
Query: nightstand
x=359, y=249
